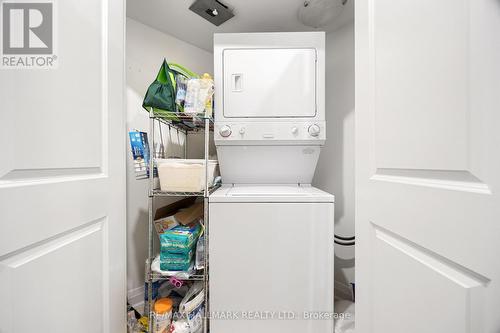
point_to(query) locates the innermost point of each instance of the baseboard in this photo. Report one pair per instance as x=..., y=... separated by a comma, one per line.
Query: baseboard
x=343, y=290
x=136, y=298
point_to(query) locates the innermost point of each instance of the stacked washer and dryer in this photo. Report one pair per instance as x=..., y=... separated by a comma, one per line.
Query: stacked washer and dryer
x=271, y=232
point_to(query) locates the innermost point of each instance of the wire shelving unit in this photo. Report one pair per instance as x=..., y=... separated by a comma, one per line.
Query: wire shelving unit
x=186, y=124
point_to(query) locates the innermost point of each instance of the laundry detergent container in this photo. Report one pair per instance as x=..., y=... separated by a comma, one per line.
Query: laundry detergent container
x=185, y=175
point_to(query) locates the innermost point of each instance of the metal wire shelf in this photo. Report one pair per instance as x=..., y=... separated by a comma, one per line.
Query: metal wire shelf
x=183, y=122
x=159, y=193
x=153, y=276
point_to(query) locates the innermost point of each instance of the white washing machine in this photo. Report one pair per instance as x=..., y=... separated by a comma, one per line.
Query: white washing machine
x=271, y=259
x=271, y=233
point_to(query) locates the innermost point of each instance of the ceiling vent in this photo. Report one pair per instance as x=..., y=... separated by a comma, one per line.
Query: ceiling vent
x=212, y=10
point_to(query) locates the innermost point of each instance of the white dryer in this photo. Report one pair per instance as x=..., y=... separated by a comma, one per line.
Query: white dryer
x=269, y=106
x=271, y=233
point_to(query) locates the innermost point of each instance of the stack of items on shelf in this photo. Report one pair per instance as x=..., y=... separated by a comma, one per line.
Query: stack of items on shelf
x=174, y=314
x=178, y=308
x=179, y=231
x=178, y=246
x=177, y=91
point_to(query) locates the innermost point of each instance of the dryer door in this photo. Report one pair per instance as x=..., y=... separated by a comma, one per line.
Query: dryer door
x=269, y=83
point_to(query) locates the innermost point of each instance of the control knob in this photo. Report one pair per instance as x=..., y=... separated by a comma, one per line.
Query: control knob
x=225, y=131
x=314, y=130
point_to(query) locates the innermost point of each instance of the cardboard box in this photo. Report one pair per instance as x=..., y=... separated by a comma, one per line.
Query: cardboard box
x=172, y=208
x=164, y=216
x=191, y=214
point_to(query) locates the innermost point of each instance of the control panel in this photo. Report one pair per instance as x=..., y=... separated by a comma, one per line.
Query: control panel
x=270, y=131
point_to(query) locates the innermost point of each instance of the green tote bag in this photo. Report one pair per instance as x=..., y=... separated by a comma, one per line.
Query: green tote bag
x=161, y=93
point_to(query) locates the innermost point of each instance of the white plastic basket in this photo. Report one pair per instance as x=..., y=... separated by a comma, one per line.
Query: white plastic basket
x=185, y=175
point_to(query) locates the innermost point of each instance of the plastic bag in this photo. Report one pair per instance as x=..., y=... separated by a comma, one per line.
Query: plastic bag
x=180, y=326
x=344, y=321
x=180, y=96
x=192, y=307
x=199, y=93
x=200, y=253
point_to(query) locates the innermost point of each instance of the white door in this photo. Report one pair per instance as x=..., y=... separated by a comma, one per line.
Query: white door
x=428, y=166
x=62, y=179
x=260, y=83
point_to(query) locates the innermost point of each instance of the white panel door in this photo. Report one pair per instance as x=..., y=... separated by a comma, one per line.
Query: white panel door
x=62, y=180
x=427, y=157
x=269, y=83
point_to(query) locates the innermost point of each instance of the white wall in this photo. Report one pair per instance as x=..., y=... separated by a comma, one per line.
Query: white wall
x=145, y=51
x=335, y=171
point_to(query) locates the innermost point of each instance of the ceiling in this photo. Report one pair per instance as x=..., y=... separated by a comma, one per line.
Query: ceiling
x=173, y=17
